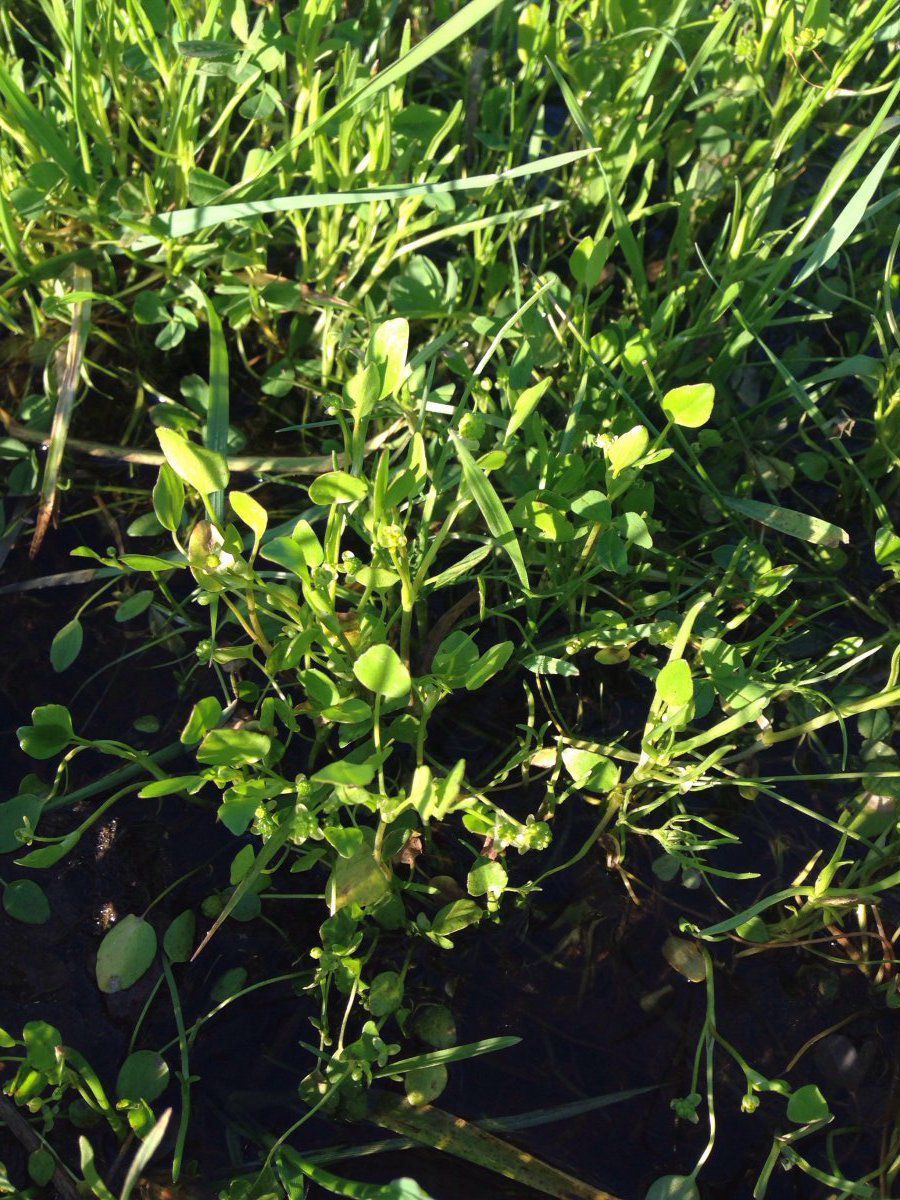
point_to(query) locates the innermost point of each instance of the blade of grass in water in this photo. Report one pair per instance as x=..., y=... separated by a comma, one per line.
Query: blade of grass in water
x=68, y=383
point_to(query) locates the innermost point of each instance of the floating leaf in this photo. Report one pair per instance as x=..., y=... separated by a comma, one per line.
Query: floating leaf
x=125, y=954
x=358, y=880
x=143, y=1075
x=42, y=1043
x=178, y=940
x=425, y=1085
x=25, y=901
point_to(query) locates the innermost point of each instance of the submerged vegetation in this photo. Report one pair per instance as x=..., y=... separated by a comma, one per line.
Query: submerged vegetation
x=477, y=425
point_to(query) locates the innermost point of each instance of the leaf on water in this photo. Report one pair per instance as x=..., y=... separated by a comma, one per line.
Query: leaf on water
x=686, y=958
x=25, y=901
x=790, y=522
x=143, y=1075
x=125, y=954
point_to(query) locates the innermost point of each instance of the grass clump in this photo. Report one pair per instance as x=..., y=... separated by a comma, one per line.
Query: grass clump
x=494, y=411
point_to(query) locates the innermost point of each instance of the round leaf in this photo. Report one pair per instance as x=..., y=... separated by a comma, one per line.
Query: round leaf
x=25, y=901
x=674, y=684
x=807, y=1105
x=425, y=1084
x=381, y=671
x=125, y=954
x=690, y=406
x=144, y=1075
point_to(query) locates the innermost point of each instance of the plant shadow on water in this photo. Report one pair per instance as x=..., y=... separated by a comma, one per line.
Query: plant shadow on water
x=576, y=972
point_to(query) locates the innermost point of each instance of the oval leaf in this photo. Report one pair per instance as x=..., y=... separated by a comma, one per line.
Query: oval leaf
x=125, y=954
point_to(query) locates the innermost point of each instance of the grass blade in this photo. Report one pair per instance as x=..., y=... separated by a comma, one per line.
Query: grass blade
x=62, y=417
x=849, y=217
x=434, y=1127
x=215, y=433
x=495, y=515
x=185, y=221
x=790, y=522
x=434, y=43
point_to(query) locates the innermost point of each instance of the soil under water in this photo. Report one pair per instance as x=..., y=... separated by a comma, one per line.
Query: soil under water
x=577, y=974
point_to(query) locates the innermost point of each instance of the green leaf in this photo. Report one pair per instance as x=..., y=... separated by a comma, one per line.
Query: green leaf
x=41, y=1166
x=625, y=450
x=66, y=646
x=357, y=880
x=233, y=747
x=337, y=487
x=524, y=406
x=250, y=511
x=49, y=733
x=381, y=670
x=42, y=1041
x=488, y=878
x=790, y=522
x=674, y=685
x=185, y=221
x=495, y=515
x=363, y=390
x=205, y=470
x=178, y=940
x=133, y=606
x=205, y=715
x=492, y=661
x=16, y=814
x=457, y=915
x=592, y=772
x=849, y=218
x=691, y=405
x=143, y=1075
x=344, y=773
x=125, y=954
x=673, y=1187
x=808, y=1104
x=388, y=349
x=425, y=1085
x=25, y=901
x=168, y=498
x=385, y=994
